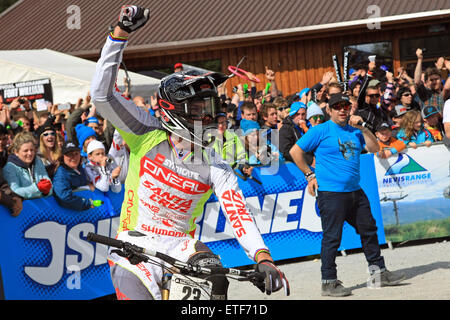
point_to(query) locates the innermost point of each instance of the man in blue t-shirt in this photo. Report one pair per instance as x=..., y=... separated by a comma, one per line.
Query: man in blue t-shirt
x=337, y=145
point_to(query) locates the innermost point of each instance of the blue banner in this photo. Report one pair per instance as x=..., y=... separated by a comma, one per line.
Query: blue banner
x=45, y=254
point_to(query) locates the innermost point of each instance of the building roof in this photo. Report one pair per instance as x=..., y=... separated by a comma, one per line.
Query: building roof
x=175, y=24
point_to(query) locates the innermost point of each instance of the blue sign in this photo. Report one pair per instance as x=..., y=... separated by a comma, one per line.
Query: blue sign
x=45, y=254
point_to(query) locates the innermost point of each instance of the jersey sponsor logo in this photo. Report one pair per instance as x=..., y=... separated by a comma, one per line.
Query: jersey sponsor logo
x=164, y=232
x=126, y=221
x=171, y=179
x=166, y=199
x=236, y=211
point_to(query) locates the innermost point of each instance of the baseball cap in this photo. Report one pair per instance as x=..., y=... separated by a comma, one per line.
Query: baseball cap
x=297, y=105
x=429, y=111
x=399, y=110
x=69, y=146
x=338, y=98
x=178, y=65
x=383, y=125
x=94, y=145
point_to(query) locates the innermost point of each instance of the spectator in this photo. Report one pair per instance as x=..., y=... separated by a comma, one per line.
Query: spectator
x=412, y=132
x=85, y=135
x=433, y=122
x=368, y=99
x=48, y=149
x=24, y=171
x=389, y=145
x=178, y=67
x=9, y=198
x=259, y=153
x=120, y=152
x=248, y=111
x=396, y=116
x=429, y=89
x=71, y=175
x=446, y=118
x=282, y=107
x=102, y=171
x=314, y=114
x=228, y=144
x=269, y=116
x=406, y=98
x=294, y=127
x=4, y=139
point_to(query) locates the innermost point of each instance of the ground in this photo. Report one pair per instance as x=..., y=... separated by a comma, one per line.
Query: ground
x=426, y=266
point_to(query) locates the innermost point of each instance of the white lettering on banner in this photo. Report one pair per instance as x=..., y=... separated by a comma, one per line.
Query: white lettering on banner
x=262, y=215
x=54, y=233
x=283, y=209
x=58, y=236
x=271, y=216
x=310, y=219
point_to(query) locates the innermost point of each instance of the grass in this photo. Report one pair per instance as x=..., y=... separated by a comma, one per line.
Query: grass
x=418, y=230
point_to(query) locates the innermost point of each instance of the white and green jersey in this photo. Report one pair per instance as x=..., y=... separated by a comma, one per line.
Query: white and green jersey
x=165, y=191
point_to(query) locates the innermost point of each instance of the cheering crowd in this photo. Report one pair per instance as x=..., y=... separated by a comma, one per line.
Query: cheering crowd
x=54, y=152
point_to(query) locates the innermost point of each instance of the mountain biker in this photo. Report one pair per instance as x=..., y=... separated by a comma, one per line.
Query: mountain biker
x=167, y=187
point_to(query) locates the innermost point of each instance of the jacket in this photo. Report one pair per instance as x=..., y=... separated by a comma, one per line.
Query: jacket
x=418, y=137
x=23, y=179
x=100, y=176
x=289, y=134
x=64, y=182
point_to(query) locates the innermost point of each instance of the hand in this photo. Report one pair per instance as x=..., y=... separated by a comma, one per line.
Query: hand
x=44, y=186
x=327, y=76
x=274, y=278
x=440, y=63
x=447, y=64
x=132, y=18
x=356, y=121
x=390, y=77
x=115, y=173
x=428, y=143
x=312, y=187
x=412, y=145
x=419, y=54
x=384, y=154
x=270, y=74
x=372, y=65
x=251, y=77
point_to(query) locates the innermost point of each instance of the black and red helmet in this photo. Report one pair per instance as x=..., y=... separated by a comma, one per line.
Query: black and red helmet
x=186, y=99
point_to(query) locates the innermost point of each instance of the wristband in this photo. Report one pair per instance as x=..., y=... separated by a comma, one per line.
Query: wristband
x=311, y=177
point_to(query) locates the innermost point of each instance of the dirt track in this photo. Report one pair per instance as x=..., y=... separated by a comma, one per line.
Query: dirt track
x=426, y=266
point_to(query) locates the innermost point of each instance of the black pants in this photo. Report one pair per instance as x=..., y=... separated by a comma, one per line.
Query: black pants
x=353, y=207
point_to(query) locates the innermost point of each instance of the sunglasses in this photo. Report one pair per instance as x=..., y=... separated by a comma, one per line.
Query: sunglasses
x=406, y=95
x=49, y=134
x=340, y=106
x=319, y=117
x=282, y=108
x=377, y=95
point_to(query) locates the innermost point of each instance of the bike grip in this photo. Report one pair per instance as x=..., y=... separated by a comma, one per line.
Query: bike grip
x=104, y=240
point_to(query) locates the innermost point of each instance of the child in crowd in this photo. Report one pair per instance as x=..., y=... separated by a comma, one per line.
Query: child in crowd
x=396, y=116
x=433, y=122
x=412, y=131
x=389, y=145
x=101, y=170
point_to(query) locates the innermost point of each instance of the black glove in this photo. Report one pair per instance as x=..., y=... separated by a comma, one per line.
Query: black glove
x=132, y=18
x=274, y=278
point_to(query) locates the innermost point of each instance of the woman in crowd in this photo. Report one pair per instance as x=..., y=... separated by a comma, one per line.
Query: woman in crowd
x=49, y=150
x=24, y=172
x=412, y=131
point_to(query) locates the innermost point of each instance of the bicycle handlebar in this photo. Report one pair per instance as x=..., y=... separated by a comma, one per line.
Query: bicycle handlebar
x=143, y=253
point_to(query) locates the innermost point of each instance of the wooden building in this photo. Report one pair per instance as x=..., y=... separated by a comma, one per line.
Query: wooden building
x=295, y=38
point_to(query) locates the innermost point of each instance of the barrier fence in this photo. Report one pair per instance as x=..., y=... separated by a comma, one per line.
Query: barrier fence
x=45, y=254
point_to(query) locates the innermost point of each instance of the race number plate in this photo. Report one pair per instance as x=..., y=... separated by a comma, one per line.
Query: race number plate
x=192, y=288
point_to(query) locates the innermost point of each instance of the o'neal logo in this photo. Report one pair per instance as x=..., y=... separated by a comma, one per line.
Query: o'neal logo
x=406, y=171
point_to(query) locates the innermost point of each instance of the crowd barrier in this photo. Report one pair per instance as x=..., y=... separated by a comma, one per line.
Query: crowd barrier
x=45, y=254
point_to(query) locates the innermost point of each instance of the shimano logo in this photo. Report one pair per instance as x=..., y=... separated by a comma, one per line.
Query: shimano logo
x=69, y=249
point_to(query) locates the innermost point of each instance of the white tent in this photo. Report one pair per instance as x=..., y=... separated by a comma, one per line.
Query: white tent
x=70, y=76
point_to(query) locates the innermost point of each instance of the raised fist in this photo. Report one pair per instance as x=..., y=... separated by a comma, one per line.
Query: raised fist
x=132, y=18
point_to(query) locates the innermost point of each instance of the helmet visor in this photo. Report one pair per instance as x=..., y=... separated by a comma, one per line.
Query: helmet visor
x=198, y=109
